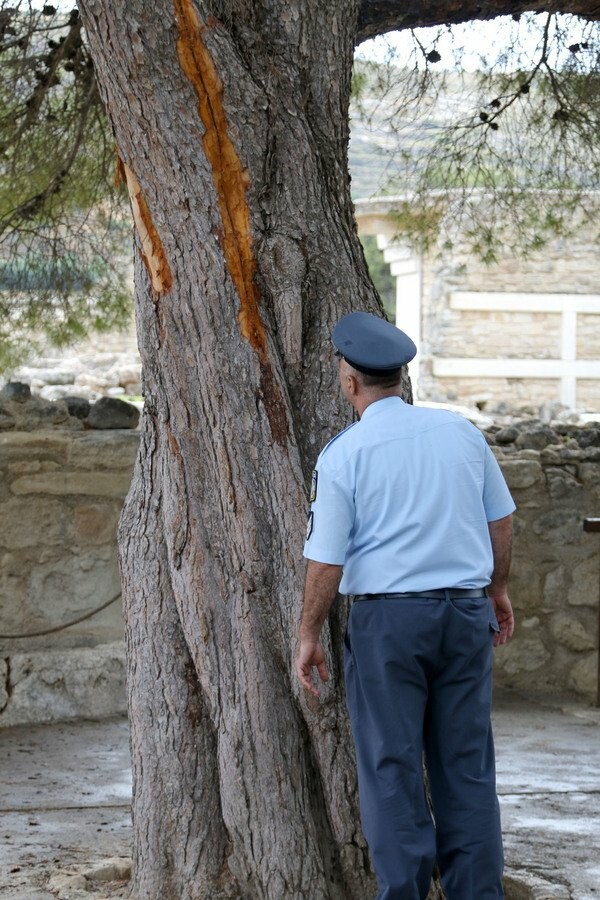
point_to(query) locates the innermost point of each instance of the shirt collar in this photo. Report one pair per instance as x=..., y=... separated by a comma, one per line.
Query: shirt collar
x=386, y=403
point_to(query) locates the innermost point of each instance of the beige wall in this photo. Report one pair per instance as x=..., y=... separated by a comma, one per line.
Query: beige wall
x=485, y=333
x=60, y=496
x=61, y=493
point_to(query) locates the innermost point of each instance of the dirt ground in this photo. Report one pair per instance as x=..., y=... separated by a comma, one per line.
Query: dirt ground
x=65, y=827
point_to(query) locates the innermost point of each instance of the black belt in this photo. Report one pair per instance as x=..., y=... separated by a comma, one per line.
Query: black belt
x=449, y=594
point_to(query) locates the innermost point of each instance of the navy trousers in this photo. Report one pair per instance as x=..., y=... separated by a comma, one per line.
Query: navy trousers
x=419, y=679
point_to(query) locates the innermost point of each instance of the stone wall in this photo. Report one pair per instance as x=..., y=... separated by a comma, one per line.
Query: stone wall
x=554, y=475
x=60, y=496
x=61, y=491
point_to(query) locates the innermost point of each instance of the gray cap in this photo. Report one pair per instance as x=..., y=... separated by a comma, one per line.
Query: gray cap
x=372, y=345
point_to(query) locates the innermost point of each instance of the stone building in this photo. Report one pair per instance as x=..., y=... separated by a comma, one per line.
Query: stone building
x=526, y=331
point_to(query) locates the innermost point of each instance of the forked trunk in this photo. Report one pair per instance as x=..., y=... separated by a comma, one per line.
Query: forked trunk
x=232, y=137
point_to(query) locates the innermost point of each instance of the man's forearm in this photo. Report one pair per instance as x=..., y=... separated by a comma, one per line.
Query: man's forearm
x=320, y=590
x=501, y=538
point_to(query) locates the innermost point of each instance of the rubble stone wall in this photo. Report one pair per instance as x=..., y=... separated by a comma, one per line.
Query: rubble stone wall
x=61, y=492
x=554, y=477
x=60, y=496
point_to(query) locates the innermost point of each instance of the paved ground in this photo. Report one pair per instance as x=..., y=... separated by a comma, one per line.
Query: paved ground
x=64, y=805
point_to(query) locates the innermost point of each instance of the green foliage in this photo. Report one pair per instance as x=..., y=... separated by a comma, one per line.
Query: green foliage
x=63, y=225
x=505, y=156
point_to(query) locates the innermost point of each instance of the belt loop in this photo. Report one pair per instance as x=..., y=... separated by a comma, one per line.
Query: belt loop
x=447, y=594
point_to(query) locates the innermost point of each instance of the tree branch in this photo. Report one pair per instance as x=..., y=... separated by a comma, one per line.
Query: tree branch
x=380, y=16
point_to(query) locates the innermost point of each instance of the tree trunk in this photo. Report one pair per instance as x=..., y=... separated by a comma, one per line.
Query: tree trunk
x=232, y=136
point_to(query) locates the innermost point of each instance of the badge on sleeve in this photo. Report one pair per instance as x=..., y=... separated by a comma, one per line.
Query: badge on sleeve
x=309, y=524
x=313, y=486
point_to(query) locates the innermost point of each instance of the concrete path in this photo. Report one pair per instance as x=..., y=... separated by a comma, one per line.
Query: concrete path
x=65, y=827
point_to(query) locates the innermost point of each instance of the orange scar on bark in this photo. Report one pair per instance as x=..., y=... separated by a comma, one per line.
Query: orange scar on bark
x=231, y=181
x=152, y=252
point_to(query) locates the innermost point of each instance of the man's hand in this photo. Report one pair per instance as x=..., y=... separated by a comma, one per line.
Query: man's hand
x=311, y=654
x=504, y=614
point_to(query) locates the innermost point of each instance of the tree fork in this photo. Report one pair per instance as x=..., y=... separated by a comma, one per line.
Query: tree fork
x=218, y=495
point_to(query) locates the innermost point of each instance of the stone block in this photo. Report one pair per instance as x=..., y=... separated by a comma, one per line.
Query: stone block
x=559, y=526
x=67, y=885
x=36, y=414
x=104, y=450
x=51, y=686
x=56, y=391
x=571, y=633
x=563, y=486
x=110, y=412
x=43, y=443
x=93, y=380
x=48, y=375
x=521, y=473
x=526, y=589
x=32, y=465
x=16, y=390
x=536, y=436
x=555, y=587
x=97, y=484
x=7, y=423
x=589, y=473
x=27, y=522
x=551, y=456
x=585, y=587
x=95, y=524
x=77, y=406
x=61, y=590
x=117, y=868
x=507, y=435
x=522, y=655
x=584, y=676
x=127, y=375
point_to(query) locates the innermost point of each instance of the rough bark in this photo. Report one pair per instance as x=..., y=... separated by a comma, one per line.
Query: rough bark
x=233, y=146
x=380, y=16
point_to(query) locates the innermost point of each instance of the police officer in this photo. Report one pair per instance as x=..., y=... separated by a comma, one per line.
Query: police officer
x=409, y=508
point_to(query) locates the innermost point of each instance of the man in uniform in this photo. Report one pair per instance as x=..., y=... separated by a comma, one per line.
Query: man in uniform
x=410, y=510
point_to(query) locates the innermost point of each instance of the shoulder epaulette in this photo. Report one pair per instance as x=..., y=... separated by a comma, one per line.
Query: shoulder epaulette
x=336, y=436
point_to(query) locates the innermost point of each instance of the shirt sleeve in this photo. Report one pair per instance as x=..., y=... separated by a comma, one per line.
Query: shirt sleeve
x=330, y=518
x=497, y=500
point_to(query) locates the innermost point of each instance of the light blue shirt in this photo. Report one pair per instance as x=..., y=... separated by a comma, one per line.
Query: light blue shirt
x=402, y=499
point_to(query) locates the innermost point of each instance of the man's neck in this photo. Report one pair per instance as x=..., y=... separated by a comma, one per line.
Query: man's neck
x=366, y=398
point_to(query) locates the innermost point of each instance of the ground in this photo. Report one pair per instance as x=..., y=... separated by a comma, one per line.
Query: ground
x=65, y=827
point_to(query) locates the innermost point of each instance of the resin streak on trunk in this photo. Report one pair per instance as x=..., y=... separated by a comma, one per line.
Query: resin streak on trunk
x=237, y=133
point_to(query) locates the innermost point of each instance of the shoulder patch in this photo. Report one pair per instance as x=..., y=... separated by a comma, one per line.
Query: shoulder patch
x=309, y=524
x=338, y=435
x=313, y=486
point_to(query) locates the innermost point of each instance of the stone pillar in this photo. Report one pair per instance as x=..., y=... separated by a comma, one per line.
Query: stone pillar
x=405, y=266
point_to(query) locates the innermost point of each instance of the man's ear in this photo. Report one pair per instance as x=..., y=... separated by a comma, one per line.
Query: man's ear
x=353, y=385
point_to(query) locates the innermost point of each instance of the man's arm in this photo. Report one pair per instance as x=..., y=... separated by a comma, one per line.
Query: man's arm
x=501, y=538
x=320, y=590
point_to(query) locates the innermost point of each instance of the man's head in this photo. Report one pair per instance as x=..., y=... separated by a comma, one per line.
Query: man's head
x=360, y=388
x=372, y=353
